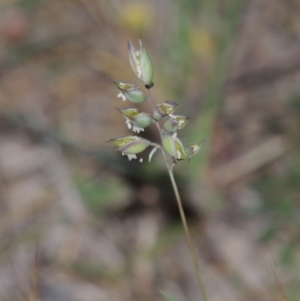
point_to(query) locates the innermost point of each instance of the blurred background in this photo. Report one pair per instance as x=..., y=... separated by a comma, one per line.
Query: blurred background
x=80, y=222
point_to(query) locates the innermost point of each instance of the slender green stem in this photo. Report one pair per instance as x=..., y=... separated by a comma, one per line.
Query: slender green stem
x=187, y=234
x=182, y=214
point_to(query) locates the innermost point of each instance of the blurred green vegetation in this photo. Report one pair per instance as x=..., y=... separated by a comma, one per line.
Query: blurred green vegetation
x=103, y=193
x=280, y=206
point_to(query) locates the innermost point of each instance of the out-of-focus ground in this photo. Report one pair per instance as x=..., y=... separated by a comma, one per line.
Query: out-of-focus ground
x=78, y=221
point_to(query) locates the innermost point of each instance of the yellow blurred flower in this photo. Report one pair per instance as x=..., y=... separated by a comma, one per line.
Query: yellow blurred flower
x=136, y=17
x=201, y=43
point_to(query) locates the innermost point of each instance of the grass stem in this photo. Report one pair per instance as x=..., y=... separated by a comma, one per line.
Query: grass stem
x=182, y=214
x=188, y=236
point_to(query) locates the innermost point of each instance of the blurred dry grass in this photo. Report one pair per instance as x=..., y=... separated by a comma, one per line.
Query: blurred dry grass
x=106, y=231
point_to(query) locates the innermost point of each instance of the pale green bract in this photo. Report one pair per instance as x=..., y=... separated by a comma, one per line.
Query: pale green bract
x=141, y=64
x=128, y=91
x=130, y=144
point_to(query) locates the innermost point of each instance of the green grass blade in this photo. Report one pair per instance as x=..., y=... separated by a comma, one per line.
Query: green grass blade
x=167, y=296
